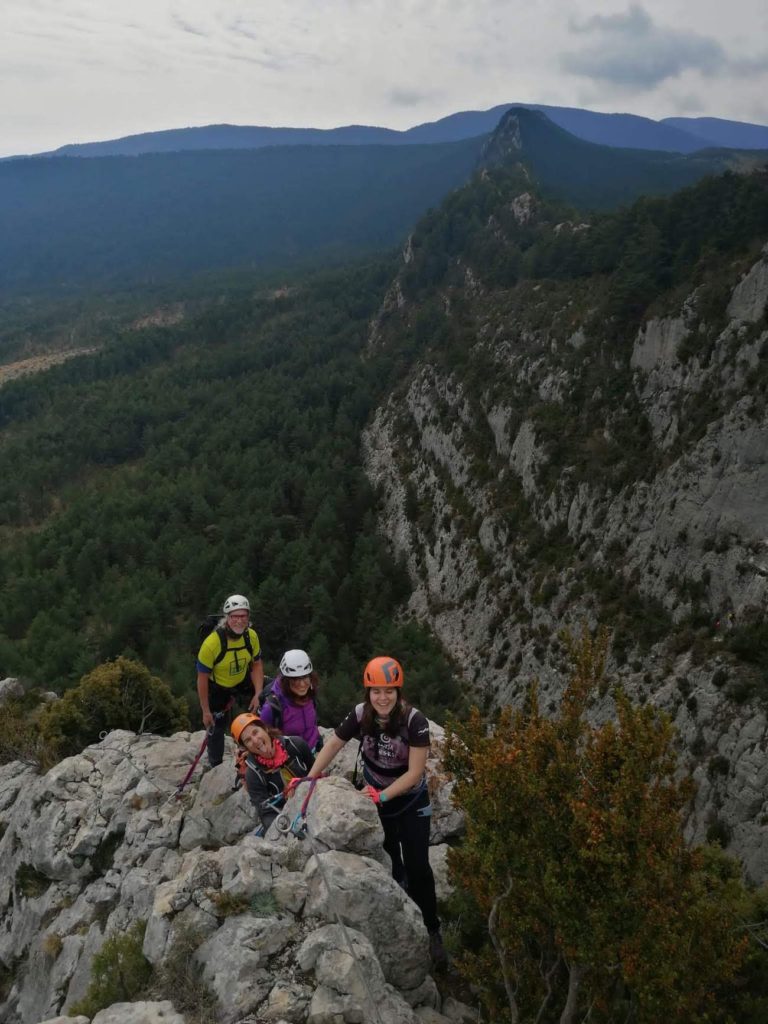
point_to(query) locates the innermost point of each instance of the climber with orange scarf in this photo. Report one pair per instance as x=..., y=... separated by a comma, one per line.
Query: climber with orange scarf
x=271, y=761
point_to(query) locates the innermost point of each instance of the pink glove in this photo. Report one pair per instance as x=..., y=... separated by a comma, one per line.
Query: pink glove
x=290, y=789
x=373, y=793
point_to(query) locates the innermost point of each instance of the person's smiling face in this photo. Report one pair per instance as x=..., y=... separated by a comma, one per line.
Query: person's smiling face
x=299, y=685
x=383, y=699
x=257, y=740
x=238, y=621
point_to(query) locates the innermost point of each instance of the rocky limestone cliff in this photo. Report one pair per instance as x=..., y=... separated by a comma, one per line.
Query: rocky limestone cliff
x=553, y=476
x=100, y=842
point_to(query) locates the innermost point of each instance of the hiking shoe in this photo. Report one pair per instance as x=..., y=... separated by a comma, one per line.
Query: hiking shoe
x=437, y=949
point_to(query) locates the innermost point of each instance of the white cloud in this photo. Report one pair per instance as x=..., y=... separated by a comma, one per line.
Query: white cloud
x=75, y=70
x=629, y=50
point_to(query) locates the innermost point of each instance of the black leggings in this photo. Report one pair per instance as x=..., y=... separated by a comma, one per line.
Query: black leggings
x=218, y=699
x=406, y=840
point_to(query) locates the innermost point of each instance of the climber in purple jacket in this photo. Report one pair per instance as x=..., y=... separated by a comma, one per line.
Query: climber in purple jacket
x=290, y=700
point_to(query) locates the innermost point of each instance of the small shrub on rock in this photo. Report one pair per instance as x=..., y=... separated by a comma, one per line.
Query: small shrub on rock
x=120, y=973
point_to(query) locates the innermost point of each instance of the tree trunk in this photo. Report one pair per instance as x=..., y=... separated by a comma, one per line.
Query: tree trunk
x=574, y=983
x=501, y=953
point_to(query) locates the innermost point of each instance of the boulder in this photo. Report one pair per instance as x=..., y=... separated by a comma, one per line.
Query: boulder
x=363, y=895
x=350, y=984
x=233, y=960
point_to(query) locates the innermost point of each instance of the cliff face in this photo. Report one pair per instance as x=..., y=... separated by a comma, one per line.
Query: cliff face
x=100, y=843
x=541, y=467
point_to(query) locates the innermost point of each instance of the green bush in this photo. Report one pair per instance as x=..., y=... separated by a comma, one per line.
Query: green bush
x=21, y=739
x=120, y=694
x=30, y=882
x=120, y=972
x=178, y=978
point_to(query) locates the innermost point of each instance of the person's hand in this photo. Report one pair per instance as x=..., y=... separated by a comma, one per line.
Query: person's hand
x=208, y=719
x=373, y=793
x=290, y=789
x=254, y=705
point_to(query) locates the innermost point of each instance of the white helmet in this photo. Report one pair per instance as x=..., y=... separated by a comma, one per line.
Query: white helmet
x=295, y=664
x=235, y=603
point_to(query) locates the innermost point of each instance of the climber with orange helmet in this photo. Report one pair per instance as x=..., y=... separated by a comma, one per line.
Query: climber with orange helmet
x=271, y=762
x=394, y=747
x=229, y=668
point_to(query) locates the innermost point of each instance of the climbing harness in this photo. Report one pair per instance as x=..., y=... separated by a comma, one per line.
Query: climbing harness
x=297, y=827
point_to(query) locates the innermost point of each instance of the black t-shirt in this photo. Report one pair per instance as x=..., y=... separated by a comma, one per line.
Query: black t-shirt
x=385, y=757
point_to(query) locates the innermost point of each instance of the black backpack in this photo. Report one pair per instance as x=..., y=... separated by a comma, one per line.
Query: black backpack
x=210, y=624
x=268, y=696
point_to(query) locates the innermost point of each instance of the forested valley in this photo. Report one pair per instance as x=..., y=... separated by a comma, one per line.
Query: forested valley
x=142, y=484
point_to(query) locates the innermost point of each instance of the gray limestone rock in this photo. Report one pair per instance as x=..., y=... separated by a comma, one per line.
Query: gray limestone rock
x=67, y=1020
x=341, y=818
x=139, y=1013
x=364, y=896
x=97, y=844
x=349, y=980
x=234, y=958
x=438, y=859
x=750, y=295
x=287, y=1002
x=10, y=688
x=459, y=1012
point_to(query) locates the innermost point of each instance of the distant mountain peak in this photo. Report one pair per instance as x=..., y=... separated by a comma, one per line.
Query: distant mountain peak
x=506, y=143
x=519, y=130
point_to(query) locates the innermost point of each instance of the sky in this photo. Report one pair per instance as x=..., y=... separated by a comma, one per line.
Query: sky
x=86, y=70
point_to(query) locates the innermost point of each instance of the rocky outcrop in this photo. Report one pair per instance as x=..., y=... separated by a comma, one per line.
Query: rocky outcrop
x=750, y=295
x=101, y=842
x=498, y=489
x=10, y=689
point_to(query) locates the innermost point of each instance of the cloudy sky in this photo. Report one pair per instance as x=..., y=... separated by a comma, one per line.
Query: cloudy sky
x=83, y=70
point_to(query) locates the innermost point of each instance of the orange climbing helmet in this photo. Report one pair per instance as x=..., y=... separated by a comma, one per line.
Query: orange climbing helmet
x=383, y=672
x=242, y=722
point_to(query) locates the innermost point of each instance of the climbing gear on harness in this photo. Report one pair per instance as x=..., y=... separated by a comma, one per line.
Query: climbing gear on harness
x=297, y=827
x=383, y=672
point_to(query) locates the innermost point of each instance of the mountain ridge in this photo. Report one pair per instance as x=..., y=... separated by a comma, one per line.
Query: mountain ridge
x=71, y=223
x=621, y=130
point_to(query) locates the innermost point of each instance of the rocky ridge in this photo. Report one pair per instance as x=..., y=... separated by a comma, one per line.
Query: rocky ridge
x=510, y=523
x=100, y=843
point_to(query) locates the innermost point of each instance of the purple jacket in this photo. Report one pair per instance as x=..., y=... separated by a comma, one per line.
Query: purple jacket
x=298, y=719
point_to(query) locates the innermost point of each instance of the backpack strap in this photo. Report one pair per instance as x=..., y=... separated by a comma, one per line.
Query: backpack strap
x=223, y=636
x=247, y=641
x=221, y=633
x=277, y=709
x=358, y=756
